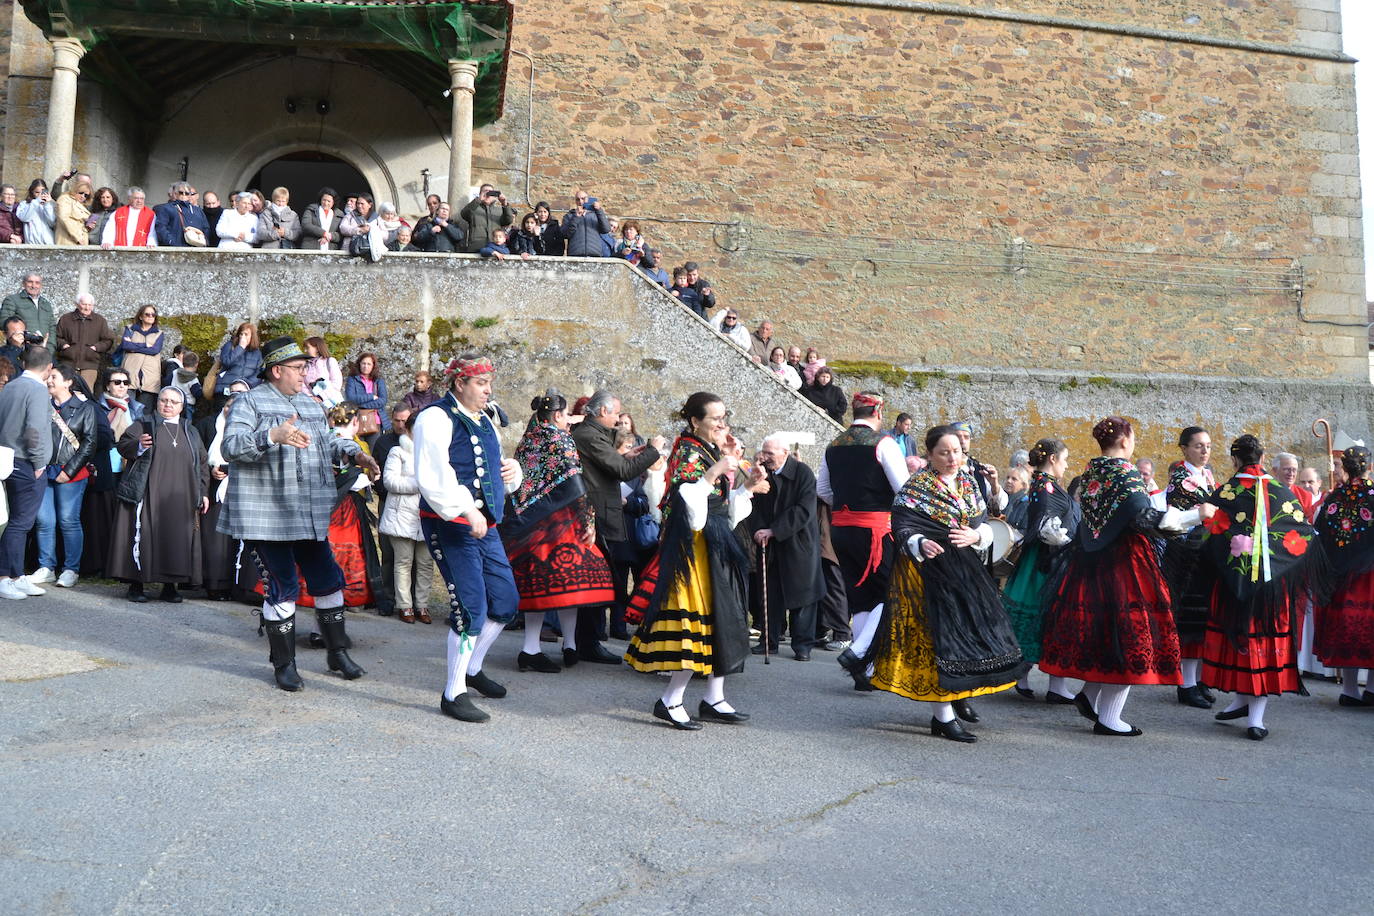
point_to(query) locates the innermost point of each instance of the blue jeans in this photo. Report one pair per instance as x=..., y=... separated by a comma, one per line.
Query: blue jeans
x=476, y=572
x=61, y=508
x=25, y=492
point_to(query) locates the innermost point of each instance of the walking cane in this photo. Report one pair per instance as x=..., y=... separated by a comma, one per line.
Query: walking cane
x=763, y=559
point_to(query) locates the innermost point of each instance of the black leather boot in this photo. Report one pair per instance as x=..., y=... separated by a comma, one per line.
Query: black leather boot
x=335, y=640
x=281, y=637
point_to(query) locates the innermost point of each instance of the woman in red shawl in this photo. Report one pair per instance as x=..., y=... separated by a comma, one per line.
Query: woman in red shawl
x=1345, y=624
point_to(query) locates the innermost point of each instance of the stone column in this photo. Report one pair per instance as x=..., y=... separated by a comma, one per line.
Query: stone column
x=66, y=57
x=463, y=85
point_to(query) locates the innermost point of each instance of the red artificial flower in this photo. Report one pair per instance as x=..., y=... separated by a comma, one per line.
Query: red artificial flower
x=1218, y=523
x=1295, y=543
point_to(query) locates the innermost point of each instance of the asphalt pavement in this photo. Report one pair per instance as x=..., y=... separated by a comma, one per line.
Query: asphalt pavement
x=150, y=765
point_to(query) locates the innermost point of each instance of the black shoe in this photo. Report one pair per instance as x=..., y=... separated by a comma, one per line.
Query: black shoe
x=1225, y=716
x=597, y=654
x=1257, y=733
x=802, y=655
x=486, y=686
x=621, y=633
x=1085, y=709
x=462, y=708
x=1357, y=702
x=385, y=612
x=855, y=666
x=661, y=712
x=281, y=637
x=170, y=594
x=331, y=623
x=706, y=711
x=537, y=661
x=1057, y=699
x=1030, y=694
x=1207, y=695
x=1192, y=696
x=953, y=730
x=964, y=710
x=1100, y=729
x=570, y=658
x=135, y=594
x=757, y=649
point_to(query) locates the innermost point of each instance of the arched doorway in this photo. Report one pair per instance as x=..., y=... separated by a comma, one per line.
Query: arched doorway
x=303, y=173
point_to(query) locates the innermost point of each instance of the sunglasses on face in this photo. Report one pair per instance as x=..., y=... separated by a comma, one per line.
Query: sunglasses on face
x=119, y=381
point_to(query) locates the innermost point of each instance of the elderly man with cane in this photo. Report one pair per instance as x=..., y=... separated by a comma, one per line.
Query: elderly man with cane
x=783, y=526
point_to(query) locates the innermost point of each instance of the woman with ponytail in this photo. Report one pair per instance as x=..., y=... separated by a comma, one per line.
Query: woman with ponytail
x=550, y=538
x=1345, y=624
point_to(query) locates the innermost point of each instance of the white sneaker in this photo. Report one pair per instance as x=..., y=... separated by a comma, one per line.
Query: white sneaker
x=27, y=587
x=9, y=590
x=67, y=579
x=40, y=575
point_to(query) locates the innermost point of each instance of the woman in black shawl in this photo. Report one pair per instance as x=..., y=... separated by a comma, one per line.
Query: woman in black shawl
x=1190, y=483
x=945, y=636
x=1345, y=624
x=1051, y=522
x=1261, y=552
x=693, y=594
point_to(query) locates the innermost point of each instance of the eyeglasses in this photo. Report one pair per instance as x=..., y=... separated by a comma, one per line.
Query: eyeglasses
x=169, y=401
x=119, y=381
x=183, y=193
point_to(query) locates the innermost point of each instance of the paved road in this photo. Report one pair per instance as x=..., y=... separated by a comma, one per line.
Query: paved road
x=171, y=776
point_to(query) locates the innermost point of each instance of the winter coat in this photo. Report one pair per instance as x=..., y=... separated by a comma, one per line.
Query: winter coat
x=10, y=224
x=583, y=233
x=80, y=418
x=401, y=515
x=312, y=231
x=481, y=219
x=268, y=222
x=76, y=334
x=355, y=391
x=39, y=221
x=237, y=364
x=71, y=220
x=172, y=219
x=829, y=398
x=444, y=239
x=142, y=357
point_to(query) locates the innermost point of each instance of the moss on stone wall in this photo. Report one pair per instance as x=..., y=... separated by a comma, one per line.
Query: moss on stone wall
x=199, y=331
x=444, y=336
x=888, y=374
x=284, y=325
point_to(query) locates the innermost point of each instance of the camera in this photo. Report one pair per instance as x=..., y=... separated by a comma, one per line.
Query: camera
x=493, y=193
x=32, y=339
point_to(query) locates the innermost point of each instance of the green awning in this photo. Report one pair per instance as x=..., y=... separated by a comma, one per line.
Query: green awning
x=410, y=41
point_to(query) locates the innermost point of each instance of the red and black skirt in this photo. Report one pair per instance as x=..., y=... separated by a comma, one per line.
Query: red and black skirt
x=1264, y=662
x=553, y=568
x=1109, y=619
x=1345, y=626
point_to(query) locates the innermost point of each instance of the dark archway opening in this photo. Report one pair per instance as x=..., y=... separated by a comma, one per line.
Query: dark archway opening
x=304, y=173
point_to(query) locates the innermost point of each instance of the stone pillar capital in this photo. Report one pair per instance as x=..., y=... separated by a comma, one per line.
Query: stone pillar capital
x=463, y=75
x=67, y=54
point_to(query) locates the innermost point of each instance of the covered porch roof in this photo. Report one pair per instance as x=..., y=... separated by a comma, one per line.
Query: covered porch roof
x=138, y=47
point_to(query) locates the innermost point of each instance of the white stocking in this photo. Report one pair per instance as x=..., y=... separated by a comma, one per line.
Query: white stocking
x=944, y=712
x=672, y=697
x=287, y=609
x=490, y=630
x=459, y=650
x=330, y=601
x=856, y=626
x=1060, y=686
x=1256, y=716
x=715, y=694
x=1238, y=703
x=567, y=622
x=533, y=621
x=1110, y=702
x=1350, y=679
x=1189, y=669
x=863, y=635
x=1092, y=692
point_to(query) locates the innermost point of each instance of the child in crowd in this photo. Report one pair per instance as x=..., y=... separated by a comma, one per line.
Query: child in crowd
x=185, y=378
x=682, y=289
x=497, y=249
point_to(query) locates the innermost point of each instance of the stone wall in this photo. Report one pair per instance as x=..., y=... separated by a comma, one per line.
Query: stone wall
x=923, y=187
x=573, y=324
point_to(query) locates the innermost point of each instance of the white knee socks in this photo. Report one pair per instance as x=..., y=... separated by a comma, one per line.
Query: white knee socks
x=1189, y=669
x=944, y=712
x=715, y=694
x=1060, y=685
x=1350, y=680
x=459, y=650
x=1092, y=691
x=287, y=609
x=490, y=630
x=1256, y=717
x=864, y=633
x=567, y=622
x=1111, y=700
x=1238, y=703
x=856, y=626
x=533, y=622
x=677, y=686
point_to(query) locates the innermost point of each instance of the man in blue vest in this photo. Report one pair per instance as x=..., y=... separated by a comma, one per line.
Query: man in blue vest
x=463, y=483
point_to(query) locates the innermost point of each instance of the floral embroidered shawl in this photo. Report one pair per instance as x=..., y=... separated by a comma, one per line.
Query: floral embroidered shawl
x=1113, y=494
x=1189, y=487
x=1345, y=524
x=548, y=456
x=926, y=493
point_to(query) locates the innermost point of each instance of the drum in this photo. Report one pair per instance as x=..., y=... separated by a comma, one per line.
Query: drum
x=1006, y=547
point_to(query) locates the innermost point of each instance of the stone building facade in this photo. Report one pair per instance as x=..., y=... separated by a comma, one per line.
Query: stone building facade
x=1101, y=188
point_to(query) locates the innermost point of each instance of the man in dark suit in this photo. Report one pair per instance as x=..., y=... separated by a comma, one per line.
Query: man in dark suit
x=783, y=526
x=603, y=470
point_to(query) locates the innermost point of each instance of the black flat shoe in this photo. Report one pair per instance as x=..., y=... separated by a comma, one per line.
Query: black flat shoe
x=462, y=709
x=1241, y=713
x=1257, y=733
x=1192, y=696
x=964, y=710
x=486, y=686
x=537, y=661
x=953, y=730
x=1100, y=729
x=1359, y=702
x=597, y=655
x=1207, y=695
x=386, y=612
x=708, y=712
x=1085, y=709
x=623, y=635
x=757, y=649
x=661, y=712
x=1057, y=699
x=570, y=658
x=135, y=594
x=802, y=656
x=1030, y=694
x=170, y=594
x=854, y=665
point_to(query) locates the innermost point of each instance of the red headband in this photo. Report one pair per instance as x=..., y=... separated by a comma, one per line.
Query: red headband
x=868, y=400
x=465, y=370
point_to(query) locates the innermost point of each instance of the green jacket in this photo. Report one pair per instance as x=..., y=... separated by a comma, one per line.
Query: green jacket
x=38, y=317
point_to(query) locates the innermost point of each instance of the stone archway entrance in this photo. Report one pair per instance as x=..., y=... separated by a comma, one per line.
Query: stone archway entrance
x=303, y=173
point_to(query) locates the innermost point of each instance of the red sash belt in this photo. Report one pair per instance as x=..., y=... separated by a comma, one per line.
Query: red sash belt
x=879, y=525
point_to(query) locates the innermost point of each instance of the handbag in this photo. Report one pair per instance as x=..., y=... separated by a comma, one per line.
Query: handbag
x=190, y=234
x=133, y=483
x=643, y=530
x=55, y=469
x=369, y=421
